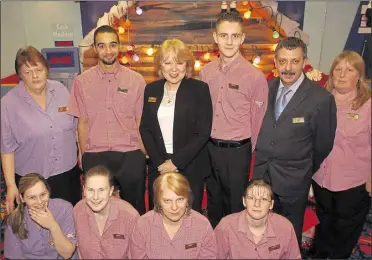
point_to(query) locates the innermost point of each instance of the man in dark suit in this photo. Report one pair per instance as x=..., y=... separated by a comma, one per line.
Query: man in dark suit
x=297, y=132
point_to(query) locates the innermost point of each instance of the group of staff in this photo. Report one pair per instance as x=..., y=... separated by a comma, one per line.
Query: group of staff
x=195, y=132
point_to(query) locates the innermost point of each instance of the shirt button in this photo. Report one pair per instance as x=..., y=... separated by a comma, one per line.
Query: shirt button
x=51, y=126
x=52, y=138
x=272, y=143
x=275, y=125
x=219, y=102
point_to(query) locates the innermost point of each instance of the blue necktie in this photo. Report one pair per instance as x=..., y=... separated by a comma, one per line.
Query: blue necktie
x=281, y=102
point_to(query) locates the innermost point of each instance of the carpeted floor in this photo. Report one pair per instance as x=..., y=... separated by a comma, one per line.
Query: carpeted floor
x=361, y=251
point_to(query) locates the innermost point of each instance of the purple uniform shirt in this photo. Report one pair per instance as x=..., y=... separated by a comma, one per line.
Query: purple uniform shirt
x=43, y=141
x=38, y=243
x=194, y=240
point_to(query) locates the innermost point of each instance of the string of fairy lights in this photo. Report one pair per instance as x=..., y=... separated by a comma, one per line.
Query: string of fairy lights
x=131, y=54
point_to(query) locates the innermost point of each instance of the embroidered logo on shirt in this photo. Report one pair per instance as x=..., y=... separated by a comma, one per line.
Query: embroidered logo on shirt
x=192, y=245
x=298, y=120
x=259, y=103
x=152, y=99
x=233, y=86
x=62, y=109
x=118, y=236
x=272, y=248
x=123, y=90
x=352, y=116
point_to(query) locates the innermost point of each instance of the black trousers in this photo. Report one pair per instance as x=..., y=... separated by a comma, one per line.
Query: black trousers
x=193, y=176
x=64, y=186
x=341, y=215
x=293, y=208
x=225, y=187
x=129, y=169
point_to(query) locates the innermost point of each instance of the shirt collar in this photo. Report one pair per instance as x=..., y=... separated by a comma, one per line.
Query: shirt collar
x=243, y=226
x=103, y=74
x=295, y=85
x=230, y=65
x=24, y=93
x=113, y=211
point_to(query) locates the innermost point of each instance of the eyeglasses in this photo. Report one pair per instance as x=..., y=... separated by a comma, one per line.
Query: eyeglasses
x=264, y=200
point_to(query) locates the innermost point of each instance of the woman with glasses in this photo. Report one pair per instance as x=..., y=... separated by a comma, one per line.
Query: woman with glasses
x=256, y=232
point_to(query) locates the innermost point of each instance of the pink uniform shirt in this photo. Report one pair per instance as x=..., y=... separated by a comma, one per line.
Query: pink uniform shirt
x=112, y=102
x=349, y=163
x=114, y=242
x=194, y=240
x=239, y=94
x=235, y=240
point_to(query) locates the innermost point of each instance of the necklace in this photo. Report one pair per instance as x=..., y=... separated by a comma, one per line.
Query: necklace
x=169, y=98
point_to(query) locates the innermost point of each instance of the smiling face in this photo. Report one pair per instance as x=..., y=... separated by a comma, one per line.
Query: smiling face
x=345, y=77
x=172, y=69
x=107, y=47
x=34, y=76
x=36, y=197
x=173, y=206
x=97, y=192
x=290, y=64
x=229, y=36
x=258, y=202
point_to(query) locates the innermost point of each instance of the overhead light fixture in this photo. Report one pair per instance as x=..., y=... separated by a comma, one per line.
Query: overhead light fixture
x=247, y=14
x=275, y=34
x=135, y=57
x=121, y=30
x=150, y=51
x=139, y=10
x=207, y=56
x=124, y=60
x=197, y=64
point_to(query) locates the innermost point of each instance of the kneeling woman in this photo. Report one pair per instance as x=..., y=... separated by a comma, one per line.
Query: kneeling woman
x=173, y=229
x=40, y=227
x=103, y=222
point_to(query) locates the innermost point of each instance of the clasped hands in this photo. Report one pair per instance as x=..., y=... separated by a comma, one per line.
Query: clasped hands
x=167, y=166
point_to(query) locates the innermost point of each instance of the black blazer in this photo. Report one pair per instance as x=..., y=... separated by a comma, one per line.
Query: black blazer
x=290, y=150
x=192, y=123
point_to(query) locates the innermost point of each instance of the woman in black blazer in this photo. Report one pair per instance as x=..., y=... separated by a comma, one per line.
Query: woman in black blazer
x=176, y=120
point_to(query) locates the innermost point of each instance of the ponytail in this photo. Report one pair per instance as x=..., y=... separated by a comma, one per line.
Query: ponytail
x=17, y=223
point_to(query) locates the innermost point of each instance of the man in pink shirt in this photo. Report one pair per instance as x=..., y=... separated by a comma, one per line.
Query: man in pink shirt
x=256, y=233
x=108, y=100
x=239, y=94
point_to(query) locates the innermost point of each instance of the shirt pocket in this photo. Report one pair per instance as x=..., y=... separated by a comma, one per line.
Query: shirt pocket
x=192, y=253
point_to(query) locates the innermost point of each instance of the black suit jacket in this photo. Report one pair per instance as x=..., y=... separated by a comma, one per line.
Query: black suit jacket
x=191, y=129
x=290, y=150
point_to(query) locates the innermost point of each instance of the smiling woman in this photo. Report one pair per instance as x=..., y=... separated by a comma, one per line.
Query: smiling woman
x=40, y=227
x=110, y=219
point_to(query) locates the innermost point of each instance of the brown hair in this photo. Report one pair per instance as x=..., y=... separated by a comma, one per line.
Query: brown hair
x=232, y=17
x=16, y=219
x=357, y=62
x=99, y=170
x=180, y=50
x=177, y=183
x=29, y=55
x=258, y=183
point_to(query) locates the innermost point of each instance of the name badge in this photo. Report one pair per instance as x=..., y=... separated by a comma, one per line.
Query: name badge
x=298, y=120
x=62, y=109
x=192, y=245
x=152, y=99
x=272, y=248
x=123, y=90
x=118, y=236
x=233, y=86
x=352, y=116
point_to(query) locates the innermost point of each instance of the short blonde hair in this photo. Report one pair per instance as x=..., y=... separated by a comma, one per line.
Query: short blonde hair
x=357, y=62
x=177, y=183
x=180, y=50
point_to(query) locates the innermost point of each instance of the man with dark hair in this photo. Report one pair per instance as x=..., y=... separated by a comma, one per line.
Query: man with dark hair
x=297, y=132
x=108, y=100
x=239, y=95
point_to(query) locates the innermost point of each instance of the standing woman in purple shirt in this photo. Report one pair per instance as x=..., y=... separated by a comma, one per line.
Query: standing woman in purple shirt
x=40, y=227
x=37, y=134
x=343, y=182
